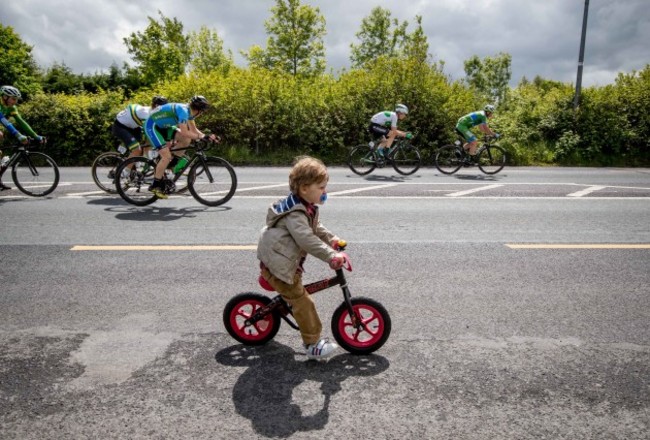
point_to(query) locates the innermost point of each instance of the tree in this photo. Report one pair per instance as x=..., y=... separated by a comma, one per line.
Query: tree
x=415, y=44
x=295, y=43
x=18, y=66
x=379, y=35
x=61, y=79
x=206, y=51
x=161, y=51
x=490, y=76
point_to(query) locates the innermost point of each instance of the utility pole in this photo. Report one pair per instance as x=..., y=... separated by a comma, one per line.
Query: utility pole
x=581, y=57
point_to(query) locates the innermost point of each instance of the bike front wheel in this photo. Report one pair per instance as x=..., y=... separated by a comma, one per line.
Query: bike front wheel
x=361, y=160
x=35, y=174
x=491, y=159
x=212, y=181
x=368, y=333
x=104, y=170
x=132, y=180
x=241, y=308
x=406, y=159
x=449, y=159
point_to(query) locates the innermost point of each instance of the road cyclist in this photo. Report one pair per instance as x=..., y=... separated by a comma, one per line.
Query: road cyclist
x=466, y=123
x=172, y=127
x=383, y=128
x=9, y=97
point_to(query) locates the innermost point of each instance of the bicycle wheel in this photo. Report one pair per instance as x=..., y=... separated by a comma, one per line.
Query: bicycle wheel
x=361, y=160
x=133, y=178
x=242, y=307
x=104, y=169
x=212, y=181
x=491, y=159
x=406, y=159
x=35, y=174
x=449, y=159
x=376, y=326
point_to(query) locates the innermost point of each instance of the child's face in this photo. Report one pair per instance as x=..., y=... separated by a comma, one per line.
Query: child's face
x=313, y=192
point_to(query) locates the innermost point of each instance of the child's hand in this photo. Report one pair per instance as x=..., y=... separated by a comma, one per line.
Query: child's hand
x=337, y=243
x=337, y=261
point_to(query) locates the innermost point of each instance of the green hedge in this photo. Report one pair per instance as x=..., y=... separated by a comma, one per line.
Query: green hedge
x=268, y=117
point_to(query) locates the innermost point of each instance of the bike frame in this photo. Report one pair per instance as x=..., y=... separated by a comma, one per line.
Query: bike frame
x=281, y=305
x=21, y=151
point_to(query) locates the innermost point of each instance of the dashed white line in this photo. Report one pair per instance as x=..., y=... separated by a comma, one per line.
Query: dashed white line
x=586, y=191
x=473, y=190
x=356, y=190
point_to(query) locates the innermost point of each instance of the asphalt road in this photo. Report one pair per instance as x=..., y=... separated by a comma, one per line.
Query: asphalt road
x=520, y=308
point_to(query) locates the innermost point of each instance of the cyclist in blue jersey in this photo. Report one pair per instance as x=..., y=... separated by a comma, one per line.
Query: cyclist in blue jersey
x=9, y=97
x=172, y=127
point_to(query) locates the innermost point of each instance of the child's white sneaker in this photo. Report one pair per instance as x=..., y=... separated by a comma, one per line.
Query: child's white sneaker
x=321, y=349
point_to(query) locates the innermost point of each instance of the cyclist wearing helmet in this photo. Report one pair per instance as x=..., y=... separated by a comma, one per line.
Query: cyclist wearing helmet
x=471, y=120
x=127, y=126
x=9, y=97
x=172, y=125
x=384, y=125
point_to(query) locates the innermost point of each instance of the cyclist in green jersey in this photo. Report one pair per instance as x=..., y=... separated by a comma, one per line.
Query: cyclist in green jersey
x=9, y=97
x=480, y=119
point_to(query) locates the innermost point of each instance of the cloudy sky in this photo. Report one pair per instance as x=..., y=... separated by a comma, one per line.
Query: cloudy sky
x=543, y=36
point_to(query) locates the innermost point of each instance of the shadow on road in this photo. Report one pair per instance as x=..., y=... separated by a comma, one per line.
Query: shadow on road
x=263, y=393
x=154, y=214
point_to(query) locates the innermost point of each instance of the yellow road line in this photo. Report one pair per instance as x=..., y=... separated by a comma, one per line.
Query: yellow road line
x=165, y=248
x=581, y=246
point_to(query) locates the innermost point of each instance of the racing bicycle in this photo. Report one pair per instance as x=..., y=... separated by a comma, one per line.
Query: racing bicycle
x=34, y=173
x=211, y=180
x=404, y=157
x=489, y=157
x=360, y=325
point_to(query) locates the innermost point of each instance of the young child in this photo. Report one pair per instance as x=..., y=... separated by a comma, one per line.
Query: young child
x=292, y=231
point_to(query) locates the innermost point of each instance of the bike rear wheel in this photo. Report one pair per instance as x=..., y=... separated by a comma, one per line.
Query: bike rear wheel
x=35, y=174
x=361, y=160
x=492, y=159
x=242, y=307
x=212, y=181
x=449, y=159
x=375, y=329
x=406, y=159
x=133, y=178
x=104, y=170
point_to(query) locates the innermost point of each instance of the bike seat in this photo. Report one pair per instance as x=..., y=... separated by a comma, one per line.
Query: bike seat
x=265, y=284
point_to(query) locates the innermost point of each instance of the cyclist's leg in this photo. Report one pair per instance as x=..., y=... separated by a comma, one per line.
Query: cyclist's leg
x=158, y=143
x=379, y=132
x=470, y=145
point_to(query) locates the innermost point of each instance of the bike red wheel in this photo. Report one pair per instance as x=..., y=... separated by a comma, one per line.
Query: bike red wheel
x=371, y=335
x=241, y=308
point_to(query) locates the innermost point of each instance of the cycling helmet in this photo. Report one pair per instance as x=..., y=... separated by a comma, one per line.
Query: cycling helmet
x=158, y=101
x=199, y=102
x=401, y=108
x=10, y=91
x=489, y=108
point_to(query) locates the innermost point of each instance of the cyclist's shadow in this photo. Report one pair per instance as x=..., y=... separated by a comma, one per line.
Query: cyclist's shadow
x=263, y=393
x=149, y=213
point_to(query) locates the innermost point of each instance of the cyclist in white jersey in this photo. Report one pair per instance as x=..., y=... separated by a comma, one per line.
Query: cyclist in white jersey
x=127, y=126
x=384, y=125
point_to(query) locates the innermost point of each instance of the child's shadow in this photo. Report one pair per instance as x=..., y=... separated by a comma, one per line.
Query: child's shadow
x=263, y=393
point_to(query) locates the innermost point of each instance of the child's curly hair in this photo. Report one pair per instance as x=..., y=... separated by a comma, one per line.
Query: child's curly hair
x=306, y=170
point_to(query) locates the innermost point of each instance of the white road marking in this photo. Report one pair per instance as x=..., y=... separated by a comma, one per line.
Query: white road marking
x=473, y=190
x=586, y=191
x=367, y=188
